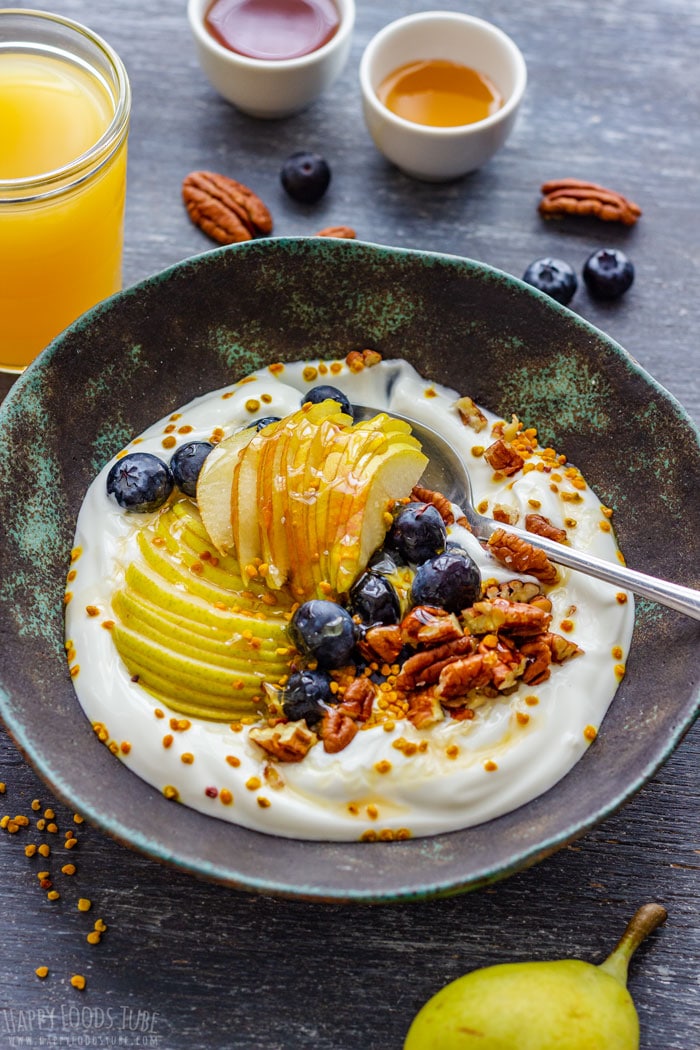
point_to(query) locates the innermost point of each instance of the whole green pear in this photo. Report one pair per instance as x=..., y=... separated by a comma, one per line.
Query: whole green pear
x=565, y=1004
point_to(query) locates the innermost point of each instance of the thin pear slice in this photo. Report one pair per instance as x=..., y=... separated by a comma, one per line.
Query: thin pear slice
x=370, y=439
x=244, y=510
x=273, y=556
x=133, y=608
x=303, y=535
x=388, y=477
x=214, y=488
x=294, y=490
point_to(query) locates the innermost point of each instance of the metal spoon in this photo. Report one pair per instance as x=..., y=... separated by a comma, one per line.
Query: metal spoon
x=448, y=474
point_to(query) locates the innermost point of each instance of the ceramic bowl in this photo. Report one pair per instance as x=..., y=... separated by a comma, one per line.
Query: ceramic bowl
x=274, y=88
x=180, y=334
x=441, y=153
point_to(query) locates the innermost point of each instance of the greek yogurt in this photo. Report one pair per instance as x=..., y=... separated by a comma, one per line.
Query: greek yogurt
x=381, y=786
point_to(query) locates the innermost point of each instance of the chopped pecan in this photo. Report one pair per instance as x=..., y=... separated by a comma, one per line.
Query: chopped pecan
x=539, y=656
x=503, y=458
x=520, y=618
x=508, y=515
x=289, y=742
x=424, y=709
x=337, y=730
x=427, y=625
x=435, y=499
x=470, y=414
x=226, y=210
x=423, y=668
x=521, y=556
x=541, y=526
x=345, y=232
x=562, y=648
x=358, y=699
x=513, y=590
x=578, y=197
x=383, y=642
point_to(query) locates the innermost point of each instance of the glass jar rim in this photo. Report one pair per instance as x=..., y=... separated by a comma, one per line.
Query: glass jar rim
x=68, y=176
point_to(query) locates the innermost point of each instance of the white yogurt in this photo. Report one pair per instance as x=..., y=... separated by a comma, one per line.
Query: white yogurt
x=471, y=771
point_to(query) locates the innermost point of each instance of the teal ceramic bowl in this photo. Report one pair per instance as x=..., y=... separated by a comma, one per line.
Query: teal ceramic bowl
x=208, y=321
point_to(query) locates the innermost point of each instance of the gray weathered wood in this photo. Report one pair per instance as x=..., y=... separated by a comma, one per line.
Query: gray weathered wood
x=613, y=97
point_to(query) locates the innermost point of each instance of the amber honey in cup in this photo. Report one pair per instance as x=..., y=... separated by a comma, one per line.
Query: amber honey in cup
x=64, y=117
x=439, y=93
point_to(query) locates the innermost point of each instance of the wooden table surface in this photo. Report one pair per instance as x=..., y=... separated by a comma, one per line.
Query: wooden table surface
x=613, y=97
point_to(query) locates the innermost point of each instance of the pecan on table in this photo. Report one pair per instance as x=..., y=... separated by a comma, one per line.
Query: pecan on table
x=578, y=197
x=226, y=210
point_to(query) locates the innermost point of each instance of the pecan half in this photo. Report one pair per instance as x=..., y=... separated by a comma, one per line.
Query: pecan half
x=460, y=676
x=427, y=625
x=337, y=730
x=345, y=232
x=541, y=526
x=226, y=210
x=520, y=618
x=521, y=556
x=288, y=743
x=424, y=667
x=358, y=699
x=578, y=197
x=503, y=458
x=383, y=642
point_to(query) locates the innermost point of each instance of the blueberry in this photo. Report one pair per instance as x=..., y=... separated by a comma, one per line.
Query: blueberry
x=187, y=463
x=264, y=421
x=305, y=176
x=553, y=276
x=450, y=581
x=140, y=482
x=384, y=562
x=323, y=631
x=374, y=600
x=608, y=273
x=327, y=393
x=418, y=532
x=305, y=696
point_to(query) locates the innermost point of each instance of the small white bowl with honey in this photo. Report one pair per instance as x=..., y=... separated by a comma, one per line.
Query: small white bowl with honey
x=440, y=92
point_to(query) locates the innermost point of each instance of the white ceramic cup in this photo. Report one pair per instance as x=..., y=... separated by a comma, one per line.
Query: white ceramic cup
x=271, y=88
x=430, y=153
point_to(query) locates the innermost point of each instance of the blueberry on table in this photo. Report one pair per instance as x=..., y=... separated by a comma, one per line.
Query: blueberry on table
x=305, y=696
x=305, y=176
x=186, y=464
x=324, y=631
x=553, y=276
x=374, y=600
x=450, y=581
x=418, y=532
x=326, y=392
x=608, y=273
x=264, y=421
x=140, y=482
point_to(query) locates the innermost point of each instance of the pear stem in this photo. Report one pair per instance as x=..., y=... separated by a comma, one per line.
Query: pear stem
x=643, y=922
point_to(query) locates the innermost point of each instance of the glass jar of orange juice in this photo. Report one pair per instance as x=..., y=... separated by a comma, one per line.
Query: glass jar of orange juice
x=64, y=118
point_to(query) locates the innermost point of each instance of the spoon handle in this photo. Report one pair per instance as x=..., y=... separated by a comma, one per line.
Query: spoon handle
x=683, y=599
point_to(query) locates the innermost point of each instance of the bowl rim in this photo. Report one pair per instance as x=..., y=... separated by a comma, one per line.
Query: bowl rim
x=129, y=834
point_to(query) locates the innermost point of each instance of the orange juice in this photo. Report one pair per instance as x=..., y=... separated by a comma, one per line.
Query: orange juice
x=62, y=188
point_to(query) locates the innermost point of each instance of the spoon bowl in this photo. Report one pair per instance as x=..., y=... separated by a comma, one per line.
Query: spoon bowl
x=447, y=473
